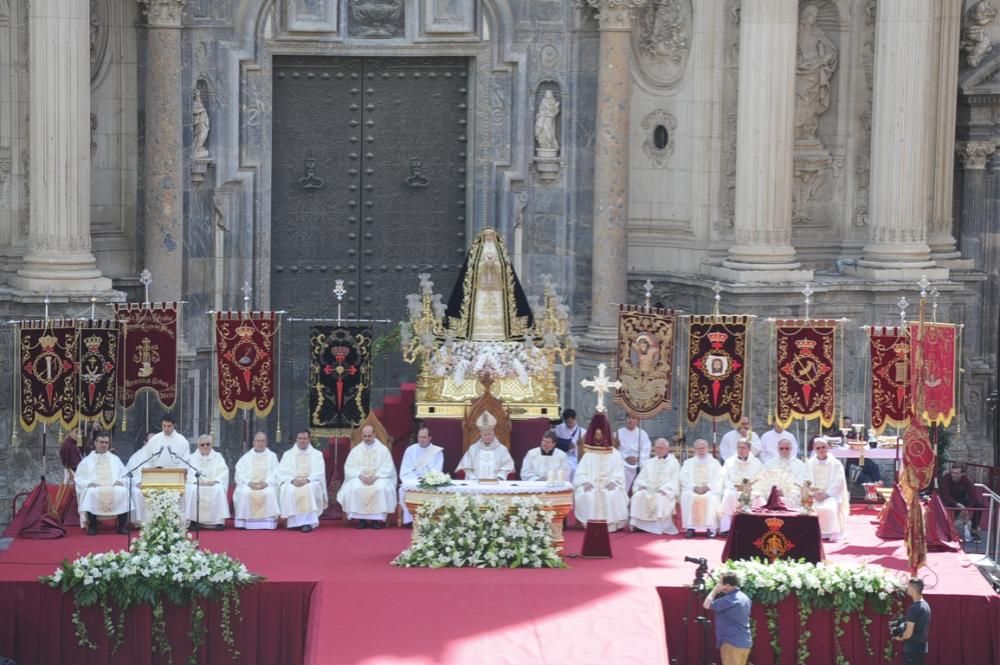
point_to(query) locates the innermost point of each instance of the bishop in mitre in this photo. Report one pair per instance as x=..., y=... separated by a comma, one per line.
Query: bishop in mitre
x=302, y=474
x=419, y=459
x=655, y=491
x=368, y=494
x=206, y=500
x=487, y=458
x=599, y=482
x=546, y=459
x=701, y=488
x=738, y=469
x=255, y=498
x=829, y=490
x=100, y=491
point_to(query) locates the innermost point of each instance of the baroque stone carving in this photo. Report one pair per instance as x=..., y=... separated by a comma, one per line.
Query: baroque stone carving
x=163, y=13
x=651, y=124
x=546, y=139
x=662, y=41
x=377, y=19
x=200, y=125
x=973, y=155
x=613, y=14
x=975, y=37
x=5, y=166
x=98, y=35
x=93, y=134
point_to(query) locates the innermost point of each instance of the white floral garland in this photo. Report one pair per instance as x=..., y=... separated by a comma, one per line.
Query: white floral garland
x=504, y=360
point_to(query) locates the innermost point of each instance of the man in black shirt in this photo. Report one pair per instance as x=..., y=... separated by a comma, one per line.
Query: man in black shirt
x=918, y=624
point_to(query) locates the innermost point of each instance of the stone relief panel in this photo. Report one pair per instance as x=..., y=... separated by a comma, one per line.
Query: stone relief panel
x=449, y=16
x=659, y=127
x=730, y=96
x=975, y=34
x=375, y=19
x=99, y=30
x=661, y=41
x=863, y=148
x=311, y=15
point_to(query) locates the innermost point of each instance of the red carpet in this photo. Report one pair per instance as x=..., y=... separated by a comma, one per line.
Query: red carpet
x=598, y=612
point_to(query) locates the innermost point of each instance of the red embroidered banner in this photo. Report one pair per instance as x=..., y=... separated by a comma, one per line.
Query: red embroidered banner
x=890, y=356
x=718, y=354
x=149, y=351
x=98, y=363
x=645, y=360
x=805, y=361
x=48, y=381
x=246, y=361
x=932, y=354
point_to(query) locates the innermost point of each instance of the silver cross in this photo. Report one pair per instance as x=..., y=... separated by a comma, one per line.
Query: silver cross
x=339, y=290
x=247, y=290
x=648, y=286
x=601, y=385
x=923, y=284
x=146, y=278
x=935, y=294
x=807, y=292
x=902, y=305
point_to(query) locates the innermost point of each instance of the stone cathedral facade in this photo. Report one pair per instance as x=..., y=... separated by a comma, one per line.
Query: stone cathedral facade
x=284, y=144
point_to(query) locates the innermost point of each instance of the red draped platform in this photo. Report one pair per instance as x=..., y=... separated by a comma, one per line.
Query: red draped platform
x=337, y=586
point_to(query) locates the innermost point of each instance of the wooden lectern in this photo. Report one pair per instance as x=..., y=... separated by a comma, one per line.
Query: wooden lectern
x=172, y=480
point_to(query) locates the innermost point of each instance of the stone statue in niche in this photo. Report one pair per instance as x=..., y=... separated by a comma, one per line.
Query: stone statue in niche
x=817, y=62
x=975, y=37
x=199, y=125
x=545, y=125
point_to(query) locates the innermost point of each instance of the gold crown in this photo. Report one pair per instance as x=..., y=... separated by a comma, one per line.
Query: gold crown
x=92, y=343
x=717, y=337
x=901, y=348
x=47, y=341
x=245, y=332
x=806, y=344
x=773, y=523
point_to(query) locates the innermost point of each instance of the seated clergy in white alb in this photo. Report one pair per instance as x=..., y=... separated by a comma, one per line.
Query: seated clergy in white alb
x=599, y=482
x=701, y=486
x=420, y=458
x=738, y=469
x=100, y=490
x=368, y=494
x=727, y=446
x=206, y=502
x=829, y=489
x=487, y=458
x=655, y=491
x=788, y=462
x=545, y=459
x=302, y=474
x=255, y=498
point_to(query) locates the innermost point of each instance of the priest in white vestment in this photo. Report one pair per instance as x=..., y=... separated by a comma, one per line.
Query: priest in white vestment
x=770, y=439
x=655, y=492
x=206, y=500
x=546, y=459
x=788, y=462
x=727, y=446
x=701, y=487
x=599, y=482
x=302, y=473
x=831, y=502
x=166, y=449
x=487, y=458
x=634, y=445
x=255, y=499
x=100, y=490
x=419, y=458
x=368, y=494
x=739, y=468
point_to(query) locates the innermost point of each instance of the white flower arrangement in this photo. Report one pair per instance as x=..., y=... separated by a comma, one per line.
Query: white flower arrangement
x=433, y=479
x=504, y=360
x=477, y=532
x=163, y=561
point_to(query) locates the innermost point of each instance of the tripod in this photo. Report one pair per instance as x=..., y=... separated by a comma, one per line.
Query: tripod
x=695, y=612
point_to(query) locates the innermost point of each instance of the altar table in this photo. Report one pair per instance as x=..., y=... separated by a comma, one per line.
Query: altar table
x=558, y=498
x=774, y=535
x=870, y=453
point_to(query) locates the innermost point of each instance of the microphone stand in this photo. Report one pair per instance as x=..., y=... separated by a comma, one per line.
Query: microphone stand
x=128, y=474
x=197, y=493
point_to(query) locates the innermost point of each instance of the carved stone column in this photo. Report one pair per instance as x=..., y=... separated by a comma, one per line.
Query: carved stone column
x=164, y=159
x=897, y=246
x=59, y=257
x=765, y=128
x=611, y=161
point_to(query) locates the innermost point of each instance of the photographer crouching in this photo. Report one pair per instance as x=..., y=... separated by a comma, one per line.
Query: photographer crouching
x=732, y=620
x=913, y=629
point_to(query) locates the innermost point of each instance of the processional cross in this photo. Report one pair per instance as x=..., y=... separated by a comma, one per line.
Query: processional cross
x=602, y=386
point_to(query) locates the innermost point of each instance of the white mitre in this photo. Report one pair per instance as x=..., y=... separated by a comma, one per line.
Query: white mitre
x=486, y=422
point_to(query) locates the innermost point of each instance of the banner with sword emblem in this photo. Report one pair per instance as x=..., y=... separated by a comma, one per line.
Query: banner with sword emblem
x=149, y=351
x=339, y=376
x=47, y=354
x=98, y=365
x=718, y=353
x=890, y=357
x=645, y=359
x=806, y=370
x=246, y=361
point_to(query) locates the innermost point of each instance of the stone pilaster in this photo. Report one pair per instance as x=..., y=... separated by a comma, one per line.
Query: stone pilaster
x=59, y=259
x=762, y=251
x=164, y=158
x=611, y=161
x=897, y=246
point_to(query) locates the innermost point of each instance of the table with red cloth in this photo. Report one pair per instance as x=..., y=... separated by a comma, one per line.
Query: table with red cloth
x=774, y=535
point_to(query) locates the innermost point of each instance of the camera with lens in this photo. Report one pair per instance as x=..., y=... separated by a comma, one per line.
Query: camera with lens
x=699, y=575
x=897, y=627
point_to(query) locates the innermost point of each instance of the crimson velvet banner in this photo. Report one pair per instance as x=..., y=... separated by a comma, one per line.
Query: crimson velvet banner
x=149, y=351
x=98, y=364
x=805, y=363
x=340, y=374
x=645, y=359
x=718, y=355
x=933, y=355
x=48, y=386
x=890, y=377
x=246, y=361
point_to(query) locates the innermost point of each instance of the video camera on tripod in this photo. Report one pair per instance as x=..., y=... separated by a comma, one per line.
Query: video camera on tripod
x=699, y=574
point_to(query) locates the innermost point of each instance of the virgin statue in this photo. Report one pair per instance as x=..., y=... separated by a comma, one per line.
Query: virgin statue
x=817, y=62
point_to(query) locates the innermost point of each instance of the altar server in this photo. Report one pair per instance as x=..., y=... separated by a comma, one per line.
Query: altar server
x=206, y=503
x=829, y=490
x=654, y=494
x=727, y=447
x=599, y=483
x=419, y=458
x=100, y=490
x=771, y=438
x=302, y=474
x=634, y=445
x=487, y=457
x=255, y=498
x=739, y=468
x=701, y=486
x=368, y=494
x=545, y=459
